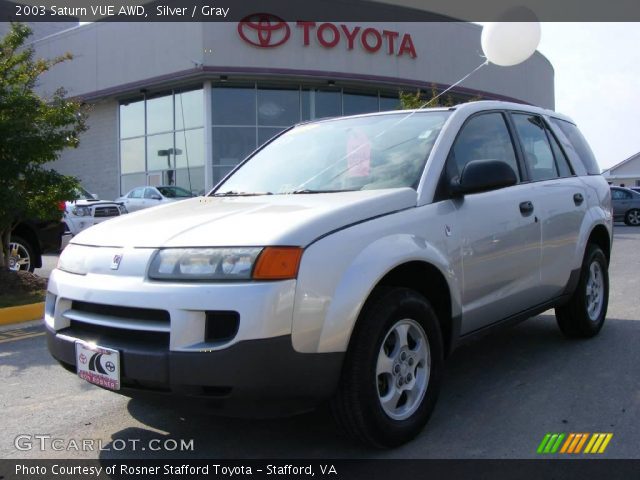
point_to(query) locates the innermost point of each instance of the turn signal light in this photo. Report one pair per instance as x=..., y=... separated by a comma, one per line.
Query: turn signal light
x=278, y=263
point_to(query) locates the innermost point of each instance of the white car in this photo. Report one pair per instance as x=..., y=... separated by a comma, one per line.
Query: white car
x=344, y=261
x=87, y=210
x=145, y=197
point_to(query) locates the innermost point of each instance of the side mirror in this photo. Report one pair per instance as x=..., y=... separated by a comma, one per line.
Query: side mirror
x=156, y=197
x=482, y=176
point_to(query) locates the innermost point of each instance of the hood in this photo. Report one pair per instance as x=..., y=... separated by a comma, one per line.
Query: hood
x=294, y=220
x=91, y=203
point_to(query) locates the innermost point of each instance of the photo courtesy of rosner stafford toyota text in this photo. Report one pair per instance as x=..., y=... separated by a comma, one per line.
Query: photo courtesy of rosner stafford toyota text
x=346, y=239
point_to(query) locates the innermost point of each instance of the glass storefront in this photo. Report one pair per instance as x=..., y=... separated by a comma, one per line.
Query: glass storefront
x=247, y=115
x=162, y=140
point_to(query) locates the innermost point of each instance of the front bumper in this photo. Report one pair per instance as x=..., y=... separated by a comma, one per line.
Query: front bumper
x=161, y=330
x=250, y=378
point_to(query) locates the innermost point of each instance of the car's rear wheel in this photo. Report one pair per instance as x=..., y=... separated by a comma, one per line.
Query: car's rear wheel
x=583, y=316
x=392, y=371
x=632, y=217
x=20, y=255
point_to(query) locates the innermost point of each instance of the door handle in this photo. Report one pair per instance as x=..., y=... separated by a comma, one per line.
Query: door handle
x=526, y=208
x=578, y=199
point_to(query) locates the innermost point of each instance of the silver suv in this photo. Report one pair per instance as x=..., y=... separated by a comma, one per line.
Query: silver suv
x=343, y=261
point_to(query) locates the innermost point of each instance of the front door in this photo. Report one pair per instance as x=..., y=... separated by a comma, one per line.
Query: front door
x=499, y=232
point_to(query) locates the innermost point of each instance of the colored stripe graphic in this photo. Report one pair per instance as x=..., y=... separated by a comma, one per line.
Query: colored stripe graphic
x=573, y=443
x=570, y=438
x=543, y=443
x=581, y=442
x=598, y=443
x=551, y=443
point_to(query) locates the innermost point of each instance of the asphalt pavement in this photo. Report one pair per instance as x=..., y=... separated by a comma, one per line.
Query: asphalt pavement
x=501, y=395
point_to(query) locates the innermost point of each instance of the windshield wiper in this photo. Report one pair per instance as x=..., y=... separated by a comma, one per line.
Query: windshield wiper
x=309, y=190
x=232, y=193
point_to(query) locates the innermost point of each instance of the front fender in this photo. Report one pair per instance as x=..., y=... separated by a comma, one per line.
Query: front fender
x=338, y=273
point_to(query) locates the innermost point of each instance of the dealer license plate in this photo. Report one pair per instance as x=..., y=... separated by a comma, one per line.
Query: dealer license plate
x=98, y=365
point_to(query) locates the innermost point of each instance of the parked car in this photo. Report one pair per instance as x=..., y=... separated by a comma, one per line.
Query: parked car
x=145, y=197
x=30, y=239
x=87, y=210
x=626, y=205
x=344, y=261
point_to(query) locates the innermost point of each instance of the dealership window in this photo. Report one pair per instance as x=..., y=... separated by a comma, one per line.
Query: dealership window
x=321, y=103
x=162, y=140
x=356, y=103
x=246, y=115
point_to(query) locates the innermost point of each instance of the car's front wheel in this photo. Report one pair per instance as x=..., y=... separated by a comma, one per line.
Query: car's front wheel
x=583, y=316
x=20, y=255
x=392, y=370
x=632, y=217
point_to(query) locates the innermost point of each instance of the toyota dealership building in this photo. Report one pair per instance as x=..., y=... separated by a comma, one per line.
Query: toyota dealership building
x=185, y=102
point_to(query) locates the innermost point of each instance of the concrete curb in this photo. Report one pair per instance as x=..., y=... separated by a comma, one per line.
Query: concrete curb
x=23, y=313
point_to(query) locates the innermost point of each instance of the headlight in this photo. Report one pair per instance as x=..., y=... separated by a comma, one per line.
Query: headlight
x=73, y=259
x=81, y=211
x=203, y=263
x=269, y=263
x=122, y=209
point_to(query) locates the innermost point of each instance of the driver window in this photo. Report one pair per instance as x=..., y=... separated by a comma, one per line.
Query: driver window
x=483, y=137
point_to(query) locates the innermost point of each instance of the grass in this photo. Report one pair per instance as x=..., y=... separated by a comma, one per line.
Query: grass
x=18, y=299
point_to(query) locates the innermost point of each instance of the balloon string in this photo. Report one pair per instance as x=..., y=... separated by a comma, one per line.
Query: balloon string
x=486, y=62
x=403, y=119
x=408, y=116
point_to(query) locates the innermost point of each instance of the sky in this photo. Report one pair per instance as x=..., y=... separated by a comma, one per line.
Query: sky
x=597, y=83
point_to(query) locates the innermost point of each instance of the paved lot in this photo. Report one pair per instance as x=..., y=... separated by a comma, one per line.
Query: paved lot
x=501, y=395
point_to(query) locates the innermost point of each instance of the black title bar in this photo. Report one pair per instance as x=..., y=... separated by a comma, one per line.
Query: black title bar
x=318, y=10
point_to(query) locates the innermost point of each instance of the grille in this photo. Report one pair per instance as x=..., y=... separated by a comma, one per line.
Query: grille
x=142, y=320
x=106, y=212
x=111, y=336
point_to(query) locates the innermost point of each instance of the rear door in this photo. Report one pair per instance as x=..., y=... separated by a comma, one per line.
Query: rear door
x=559, y=197
x=621, y=201
x=499, y=234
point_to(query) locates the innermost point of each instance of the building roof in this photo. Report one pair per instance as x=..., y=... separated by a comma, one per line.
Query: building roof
x=611, y=170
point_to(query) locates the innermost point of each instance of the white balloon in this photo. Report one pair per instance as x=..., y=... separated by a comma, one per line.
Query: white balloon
x=510, y=43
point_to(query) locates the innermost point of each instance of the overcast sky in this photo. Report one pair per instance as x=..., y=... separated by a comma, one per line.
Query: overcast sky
x=597, y=83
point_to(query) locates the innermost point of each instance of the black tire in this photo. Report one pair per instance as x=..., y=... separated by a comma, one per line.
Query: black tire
x=24, y=247
x=356, y=405
x=632, y=218
x=574, y=318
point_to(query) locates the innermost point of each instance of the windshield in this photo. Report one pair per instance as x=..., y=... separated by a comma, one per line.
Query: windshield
x=362, y=153
x=82, y=194
x=174, y=192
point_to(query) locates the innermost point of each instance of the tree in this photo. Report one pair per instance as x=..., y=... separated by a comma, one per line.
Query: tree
x=33, y=131
x=413, y=101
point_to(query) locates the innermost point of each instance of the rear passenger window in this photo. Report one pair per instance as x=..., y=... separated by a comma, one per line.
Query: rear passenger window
x=620, y=194
x=537, y=151
x=561, y=160
x=483, y=137
x=579, y=145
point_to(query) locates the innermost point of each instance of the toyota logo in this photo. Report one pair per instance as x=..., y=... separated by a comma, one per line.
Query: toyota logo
x=264, y=30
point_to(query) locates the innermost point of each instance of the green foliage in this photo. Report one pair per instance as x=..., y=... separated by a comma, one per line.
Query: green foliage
x=34, y=129
x=413, y=101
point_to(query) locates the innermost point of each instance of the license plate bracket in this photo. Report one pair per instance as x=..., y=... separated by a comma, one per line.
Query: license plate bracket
x=98, y=365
